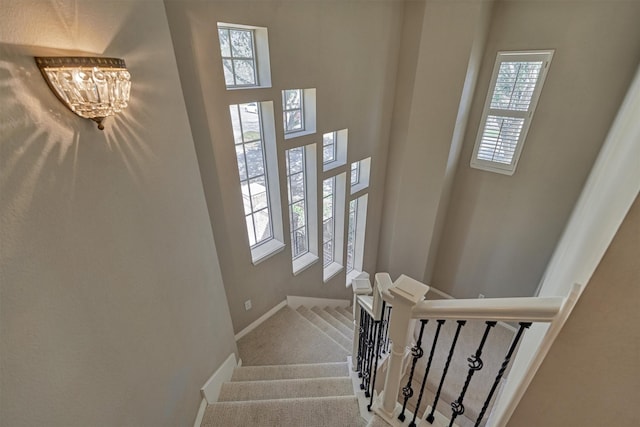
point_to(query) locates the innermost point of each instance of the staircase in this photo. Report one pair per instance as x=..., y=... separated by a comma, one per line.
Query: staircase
x=292, y=394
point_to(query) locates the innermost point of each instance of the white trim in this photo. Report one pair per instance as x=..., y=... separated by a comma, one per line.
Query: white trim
x=363, y=179
x=266, y=251
x=503, y=56
x=260, y=320
x=261, y=55
x=211, y=389
x=527, y=309
x=331, y=271
x=295, y=302
x=200, y=416
x=302, y=263
x=308, y=114
x=341, y=141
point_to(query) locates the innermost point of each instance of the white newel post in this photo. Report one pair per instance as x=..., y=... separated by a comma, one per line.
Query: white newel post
x=406, y=293
x=359, y=286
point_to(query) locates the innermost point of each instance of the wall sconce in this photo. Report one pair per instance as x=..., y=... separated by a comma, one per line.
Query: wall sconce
x=93, y=88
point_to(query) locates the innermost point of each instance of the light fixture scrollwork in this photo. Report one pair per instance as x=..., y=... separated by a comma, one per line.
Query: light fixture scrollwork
x=91, y=87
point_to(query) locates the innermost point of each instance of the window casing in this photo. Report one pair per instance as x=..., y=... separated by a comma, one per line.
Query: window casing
x=515, y=88
x=329, y=147
x=293, y=110
x=328, y=223
x=334, y=149
x=360, y=173
x=256, y=157
x=296, y=186
x=356, y=236
x=355, y=173
x=238, y=50
x=351, y=234
x=247, y=132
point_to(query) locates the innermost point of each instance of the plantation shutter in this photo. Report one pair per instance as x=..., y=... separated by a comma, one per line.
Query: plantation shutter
x=515, y=87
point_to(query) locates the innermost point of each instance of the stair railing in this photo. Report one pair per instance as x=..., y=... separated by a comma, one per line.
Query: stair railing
x=371, y=332
x=409, y=306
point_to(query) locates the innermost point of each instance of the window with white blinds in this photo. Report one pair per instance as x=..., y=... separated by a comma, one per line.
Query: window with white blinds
x=511, y=101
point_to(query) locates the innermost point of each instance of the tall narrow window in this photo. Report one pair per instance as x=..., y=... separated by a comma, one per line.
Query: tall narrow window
x=293, y=110
x=516, y=84
x=296, y=183
x=329, y=147
x=328, y=224
x=237, y=46
x=356, y=236
x=355, y=173
x=351, y=234
x=247, y=132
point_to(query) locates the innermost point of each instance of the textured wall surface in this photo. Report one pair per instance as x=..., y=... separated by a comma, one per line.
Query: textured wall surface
x=501, y=230
x=112, y=307
x=348, y=52
x=591, y=374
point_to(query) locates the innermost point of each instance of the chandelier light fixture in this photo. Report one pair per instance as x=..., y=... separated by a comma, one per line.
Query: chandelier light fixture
x=91, y=87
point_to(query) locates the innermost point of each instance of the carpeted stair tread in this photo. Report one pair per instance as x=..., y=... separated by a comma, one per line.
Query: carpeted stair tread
x=341, y=317
x=326, y=327
x=283, y=389
x=347, y=312
x=376, y=421
x=307, y=412
x=348, y=333
x=286, y=338
x=277, y=372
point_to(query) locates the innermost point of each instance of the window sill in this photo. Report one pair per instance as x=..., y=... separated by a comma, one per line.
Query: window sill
x=359, y=187
x=266, y=251
x=352, y=275
x=291, y=135
x=332, y=165
x=248, y=87
x=304, y=262
x=330, y=271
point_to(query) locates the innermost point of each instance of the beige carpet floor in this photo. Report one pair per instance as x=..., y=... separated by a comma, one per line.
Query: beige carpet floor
x=294, y=374
x=289, y=338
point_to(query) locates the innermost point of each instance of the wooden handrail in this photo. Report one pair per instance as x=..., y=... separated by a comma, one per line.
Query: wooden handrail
x=529, y=309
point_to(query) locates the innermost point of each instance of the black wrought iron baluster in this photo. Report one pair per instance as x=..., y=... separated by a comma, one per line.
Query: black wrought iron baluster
x=430, y=417
x=363, y=370
x=381, y=327
x=388, y=342
x=426, y=372
x=374, y=365
x=417, y=352
x=505, y=363
x=361, y=330
x=370, y=355
x=475, y=364
x=366, y=365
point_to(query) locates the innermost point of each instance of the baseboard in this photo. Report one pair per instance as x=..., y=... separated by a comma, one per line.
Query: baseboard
x=200, y=416
x=259, y=320
x=211, y=389
x=295, y=302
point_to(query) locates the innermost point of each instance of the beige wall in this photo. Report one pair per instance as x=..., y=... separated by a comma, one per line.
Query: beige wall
x=442, y=44
x=113, y=311
x=347, y=51
x=591, y=374
x=501, y=230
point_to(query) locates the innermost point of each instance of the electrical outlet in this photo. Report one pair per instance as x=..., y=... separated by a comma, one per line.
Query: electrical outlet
x=247, y=305
x=481, y=296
